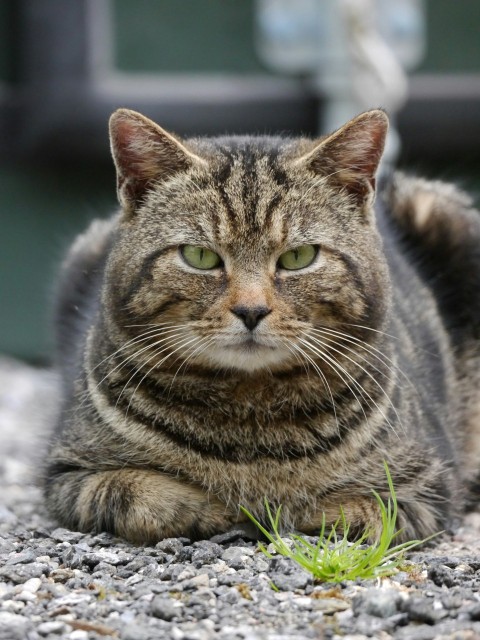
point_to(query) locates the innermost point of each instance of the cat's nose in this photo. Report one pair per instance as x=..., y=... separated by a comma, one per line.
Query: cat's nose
x=250, y=316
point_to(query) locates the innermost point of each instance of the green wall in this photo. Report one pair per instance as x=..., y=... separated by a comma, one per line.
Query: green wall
x=41, y=210
x=217, y=35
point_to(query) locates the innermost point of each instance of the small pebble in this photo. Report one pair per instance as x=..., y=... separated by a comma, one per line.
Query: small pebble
x=164, y=608
x=55, y=627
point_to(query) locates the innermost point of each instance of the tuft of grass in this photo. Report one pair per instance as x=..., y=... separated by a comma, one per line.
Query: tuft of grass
x=334, y=558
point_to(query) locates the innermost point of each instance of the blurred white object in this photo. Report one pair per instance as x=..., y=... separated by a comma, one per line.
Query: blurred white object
x=355, y=52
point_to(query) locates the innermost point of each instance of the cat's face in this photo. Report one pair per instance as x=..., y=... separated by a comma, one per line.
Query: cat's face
x=243, y=247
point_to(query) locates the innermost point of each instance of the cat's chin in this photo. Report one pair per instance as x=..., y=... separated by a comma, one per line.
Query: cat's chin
x=249, y=357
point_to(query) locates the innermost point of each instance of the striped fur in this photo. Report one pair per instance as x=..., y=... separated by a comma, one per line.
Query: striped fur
x=175, y=413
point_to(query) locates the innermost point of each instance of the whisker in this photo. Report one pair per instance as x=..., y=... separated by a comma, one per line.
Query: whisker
x=333, y=341
x=367, y=373
x=135, y=355
x=143, y=337
x=361, y=389
x=361, y=326
x=373, y=351
x=323, y=377
x=339, y=370
x=180, y=345
x=204, y=344
x=286, y=343
x=140, y=338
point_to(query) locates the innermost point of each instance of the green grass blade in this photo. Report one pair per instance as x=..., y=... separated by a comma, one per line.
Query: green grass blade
x=333, y=558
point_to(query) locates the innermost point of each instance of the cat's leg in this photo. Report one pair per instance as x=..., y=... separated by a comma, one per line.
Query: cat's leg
x=416, y=520
x=140, y=505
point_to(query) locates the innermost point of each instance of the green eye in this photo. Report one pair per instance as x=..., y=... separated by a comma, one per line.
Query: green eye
x=200, y=257
x=298, y=258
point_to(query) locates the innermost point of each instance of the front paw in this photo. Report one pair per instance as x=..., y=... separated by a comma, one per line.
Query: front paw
x=139, y=505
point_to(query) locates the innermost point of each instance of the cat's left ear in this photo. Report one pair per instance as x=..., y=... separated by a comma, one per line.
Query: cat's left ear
x=144, y=154
x=350, y=156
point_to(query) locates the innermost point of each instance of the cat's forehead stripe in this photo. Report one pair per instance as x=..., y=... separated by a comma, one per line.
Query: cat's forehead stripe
x=250, y=183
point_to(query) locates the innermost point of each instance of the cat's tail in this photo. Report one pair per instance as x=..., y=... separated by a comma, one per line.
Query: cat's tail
x=441, y=229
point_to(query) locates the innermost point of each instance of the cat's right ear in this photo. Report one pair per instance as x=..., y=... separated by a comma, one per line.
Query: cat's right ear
x=350, y=156
x=144, y=154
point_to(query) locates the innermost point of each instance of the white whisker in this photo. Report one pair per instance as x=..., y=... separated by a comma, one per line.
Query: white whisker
x=373, y=351
x=355, y=382
x=180, y=345
x=136, y=354
x=204, y=344
x=367, y=373
x=323, y=377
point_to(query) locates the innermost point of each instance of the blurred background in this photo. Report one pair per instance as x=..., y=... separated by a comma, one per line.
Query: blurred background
x=206, y=67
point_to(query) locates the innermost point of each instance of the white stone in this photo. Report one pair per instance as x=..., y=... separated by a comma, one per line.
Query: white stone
x=202, y=580
x=55, y=626
x=13, y=605
x=78, y=634
x=34, y=584
x=26, y=596
x=11, y=619
x=303, y=602
x=72, y=599
x=177, y=634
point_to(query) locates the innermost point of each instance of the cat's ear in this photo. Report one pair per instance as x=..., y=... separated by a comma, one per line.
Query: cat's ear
x=144, y=154
x=350, y=156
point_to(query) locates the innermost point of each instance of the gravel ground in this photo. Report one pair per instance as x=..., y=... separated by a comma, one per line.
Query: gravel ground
x=56, y=583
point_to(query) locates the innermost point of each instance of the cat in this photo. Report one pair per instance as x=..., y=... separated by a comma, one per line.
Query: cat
x=260, y=320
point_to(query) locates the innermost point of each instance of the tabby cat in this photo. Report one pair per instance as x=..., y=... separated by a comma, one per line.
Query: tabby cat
x=250, y=326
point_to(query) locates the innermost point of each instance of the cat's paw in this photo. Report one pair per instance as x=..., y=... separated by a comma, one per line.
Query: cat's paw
x=139, y=505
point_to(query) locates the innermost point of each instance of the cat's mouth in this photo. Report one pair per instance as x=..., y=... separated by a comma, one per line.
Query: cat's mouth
x=249, y=353
x=251, y=344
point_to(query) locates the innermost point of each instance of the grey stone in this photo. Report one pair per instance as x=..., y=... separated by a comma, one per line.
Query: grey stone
x=295, y=580
x=6, y=546
x=245, y=532
x=206, y=552
x=442, y=575
x=152, y=570
x=105, y=567
x=169, y=545
x=24, y=557
x=474, y=612
x=237, y=557
x=104, y=555
x=185, y=554
x=7, y=516
x=381, y=603
x=229, y=579
x=65, y=535
x=164, y=608
x=20, y=573
x=72, y=558
x=368, y=625
x=136, y=632
x=421, y=610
